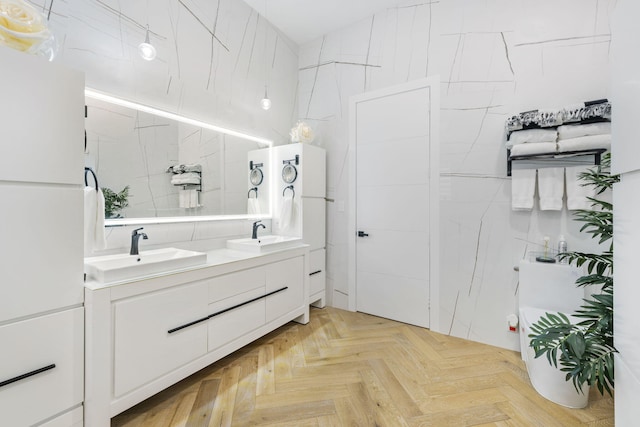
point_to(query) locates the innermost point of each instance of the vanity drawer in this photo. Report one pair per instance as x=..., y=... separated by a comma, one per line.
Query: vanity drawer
x=51, y=348
x=229, y=285
x=317, y=273
x=235, y=317
x=280, y=275
x=157, y=333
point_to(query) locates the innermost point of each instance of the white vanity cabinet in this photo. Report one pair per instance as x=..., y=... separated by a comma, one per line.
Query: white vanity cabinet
x=148, y=334
x=41, y=290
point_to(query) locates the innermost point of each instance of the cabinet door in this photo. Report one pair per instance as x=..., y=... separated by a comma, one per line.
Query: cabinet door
x=313, y=222
x=51, y=349
x=317, y=274
x=285, y=274
x=144, y=347
x=43, y=121
x=41, y=262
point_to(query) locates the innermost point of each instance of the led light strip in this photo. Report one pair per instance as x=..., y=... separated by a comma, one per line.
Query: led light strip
x=94, y=94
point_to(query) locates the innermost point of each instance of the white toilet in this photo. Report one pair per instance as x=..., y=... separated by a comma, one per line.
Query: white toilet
x=548, y=288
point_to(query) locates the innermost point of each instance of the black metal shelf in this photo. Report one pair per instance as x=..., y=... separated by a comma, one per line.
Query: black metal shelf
x=596, y=152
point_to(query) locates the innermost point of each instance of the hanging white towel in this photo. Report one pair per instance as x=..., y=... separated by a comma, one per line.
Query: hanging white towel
x=94, y=231
x=253, y=206
x=523, y=187
x=551, y=188
x=577, y=193
x=286, y=211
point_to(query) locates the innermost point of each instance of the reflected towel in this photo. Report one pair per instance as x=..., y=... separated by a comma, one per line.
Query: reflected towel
x=577, y=193
x=186, y=178
x=551, y=188
x=286, y=211
x=523, y=187
x=537, y=148
x=253, y=206
x=585, y=143
x=94, y=231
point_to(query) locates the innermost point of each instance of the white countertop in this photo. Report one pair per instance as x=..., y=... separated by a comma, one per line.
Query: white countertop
x=219, y=261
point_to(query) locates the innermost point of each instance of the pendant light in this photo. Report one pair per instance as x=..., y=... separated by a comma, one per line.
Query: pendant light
x=265, y=102
x=146, y=49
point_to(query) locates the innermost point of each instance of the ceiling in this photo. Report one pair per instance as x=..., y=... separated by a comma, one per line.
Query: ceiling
x=305, y=20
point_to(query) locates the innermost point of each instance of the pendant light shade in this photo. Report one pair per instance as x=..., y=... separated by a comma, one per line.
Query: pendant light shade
x=265, y=103
x=146, y=49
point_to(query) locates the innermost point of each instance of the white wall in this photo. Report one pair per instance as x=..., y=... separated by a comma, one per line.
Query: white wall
x=211, y=65
x=626, y=97
x=495, y=58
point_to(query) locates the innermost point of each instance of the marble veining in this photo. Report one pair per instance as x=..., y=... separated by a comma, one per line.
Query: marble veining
x=494, y=58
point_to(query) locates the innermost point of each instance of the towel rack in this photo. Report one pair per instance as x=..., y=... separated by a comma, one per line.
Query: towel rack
x=289, y=187
x=250, y=190
x=95, y=178
x=596, y=153
x=296, y=160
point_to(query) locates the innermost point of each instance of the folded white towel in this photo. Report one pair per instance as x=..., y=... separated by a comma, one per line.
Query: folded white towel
x=538, y=148
x=523, y=187
x=94, y=231
x=186, y=178
x=576, y=131
x=584, y=143
x=532, y=135
x=286, y=211
x=551, y=188
x=576, y=192
x=253, y=206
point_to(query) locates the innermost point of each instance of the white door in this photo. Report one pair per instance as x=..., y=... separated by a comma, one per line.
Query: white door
x=392, y=138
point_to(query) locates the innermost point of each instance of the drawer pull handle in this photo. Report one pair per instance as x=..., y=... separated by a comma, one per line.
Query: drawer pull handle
x=27, y=375
x=315, y=272
x=248, y=302
x=170, y=331
x=195, y=322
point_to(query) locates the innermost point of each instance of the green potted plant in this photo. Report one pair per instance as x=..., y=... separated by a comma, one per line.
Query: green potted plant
x=115, y=202
x=585, y=350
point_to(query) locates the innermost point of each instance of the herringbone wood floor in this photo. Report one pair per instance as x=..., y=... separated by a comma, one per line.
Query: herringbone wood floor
x=352, y=369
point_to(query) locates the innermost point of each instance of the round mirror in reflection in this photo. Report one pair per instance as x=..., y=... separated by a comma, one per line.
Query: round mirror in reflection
x=289, y=173
x=256, y=176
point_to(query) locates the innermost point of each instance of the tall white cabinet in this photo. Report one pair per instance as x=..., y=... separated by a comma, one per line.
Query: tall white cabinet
x=300, y=171
x=41, y=289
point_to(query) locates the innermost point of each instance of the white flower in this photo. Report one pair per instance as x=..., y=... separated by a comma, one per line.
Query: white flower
x=301, y=132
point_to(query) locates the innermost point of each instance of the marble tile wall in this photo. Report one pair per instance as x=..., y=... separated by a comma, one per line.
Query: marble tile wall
x=214, y=59
x=494, y=58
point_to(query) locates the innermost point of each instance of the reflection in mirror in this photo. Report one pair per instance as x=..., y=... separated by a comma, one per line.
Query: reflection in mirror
x=156, y=166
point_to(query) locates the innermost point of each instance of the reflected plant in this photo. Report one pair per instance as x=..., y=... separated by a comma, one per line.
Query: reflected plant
x=115, y=202
x=585, y=350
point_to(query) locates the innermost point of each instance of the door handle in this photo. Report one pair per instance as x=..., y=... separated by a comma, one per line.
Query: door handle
x=362, y=234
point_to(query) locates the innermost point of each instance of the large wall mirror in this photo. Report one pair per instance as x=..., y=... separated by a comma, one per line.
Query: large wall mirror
x=168, y=168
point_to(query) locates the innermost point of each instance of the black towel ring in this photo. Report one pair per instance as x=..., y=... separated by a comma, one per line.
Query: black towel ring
x=95, y=178
x=289, y=187
x=252, y=189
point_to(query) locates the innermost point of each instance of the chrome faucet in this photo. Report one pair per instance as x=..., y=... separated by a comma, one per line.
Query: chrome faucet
x=254, y=234
x=135, y=236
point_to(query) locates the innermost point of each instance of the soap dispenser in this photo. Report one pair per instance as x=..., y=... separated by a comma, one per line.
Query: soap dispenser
x=562, y=247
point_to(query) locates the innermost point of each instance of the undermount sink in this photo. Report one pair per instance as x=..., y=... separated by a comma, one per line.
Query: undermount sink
x=113, y=268
x=263, y=244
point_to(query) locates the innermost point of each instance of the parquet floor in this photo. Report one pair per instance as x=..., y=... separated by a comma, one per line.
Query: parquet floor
x=352, y=369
